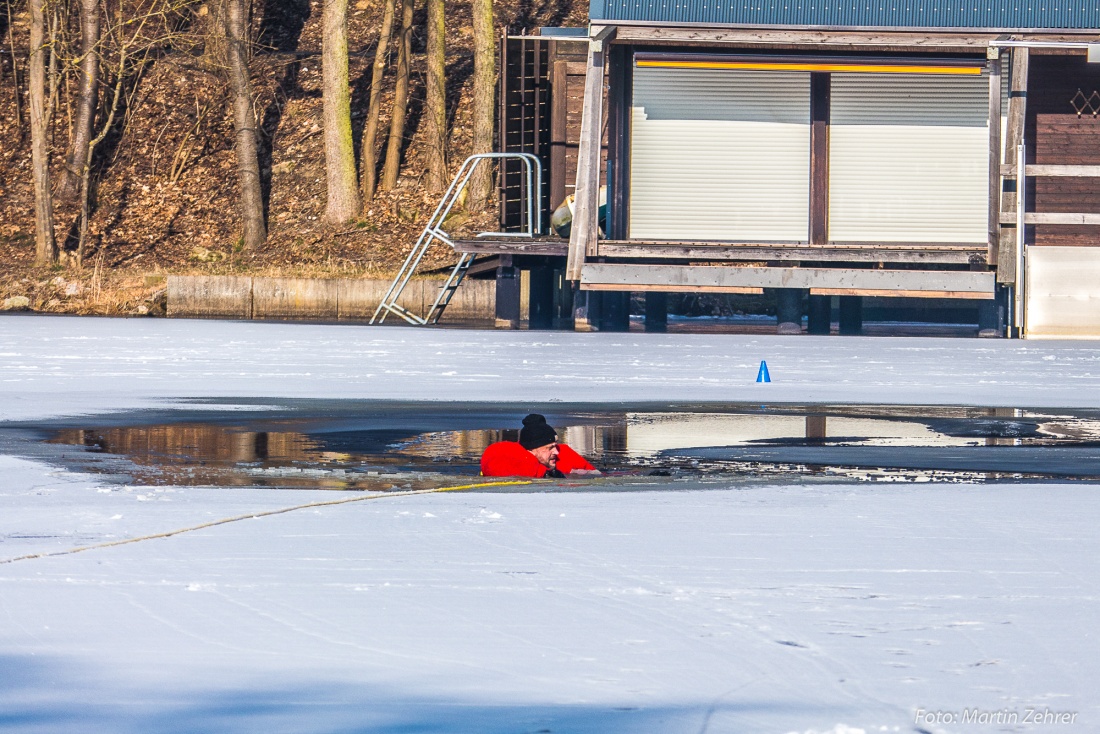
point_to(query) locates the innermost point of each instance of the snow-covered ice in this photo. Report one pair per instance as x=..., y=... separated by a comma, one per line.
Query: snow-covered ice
x=54, y=365
x=678, y=606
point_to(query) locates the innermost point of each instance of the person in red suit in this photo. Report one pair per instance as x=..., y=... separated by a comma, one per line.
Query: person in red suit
x=537, y=454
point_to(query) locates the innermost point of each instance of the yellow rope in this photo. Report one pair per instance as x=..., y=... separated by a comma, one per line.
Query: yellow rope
x=266, y=513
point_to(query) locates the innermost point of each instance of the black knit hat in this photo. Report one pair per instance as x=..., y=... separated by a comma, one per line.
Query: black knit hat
x=536, y=432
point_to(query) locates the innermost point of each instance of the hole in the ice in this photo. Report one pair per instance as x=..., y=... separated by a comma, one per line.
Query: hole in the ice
x=401, y=447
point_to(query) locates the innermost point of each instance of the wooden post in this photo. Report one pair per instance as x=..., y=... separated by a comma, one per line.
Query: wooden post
x=615, y=311
x=656, y=312
x=851, y=315
x=563, y=300
x=816, y=429
x=540, y=308
x=820, y=315
x=508, y=294
x=1014, y=135
x=586, y=310
x=559, y=135
x=582, y=237
x=788, y=310
x=819, y=158
x=502, y=125
x=994, y=56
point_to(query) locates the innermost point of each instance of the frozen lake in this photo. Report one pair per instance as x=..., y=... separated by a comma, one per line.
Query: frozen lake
x=698, y=602
x=376, y=445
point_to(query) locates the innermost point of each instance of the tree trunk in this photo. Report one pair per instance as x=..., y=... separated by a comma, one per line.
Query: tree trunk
x=15, y=76
x=368, y=180
x=435, y=101
x=400, y=99
x=215, y=51
x=45, y=245
x=53, y=75
x=248, y=163
x=343, y=192
x=87, y=99
x=85, y=178
x=481, y=182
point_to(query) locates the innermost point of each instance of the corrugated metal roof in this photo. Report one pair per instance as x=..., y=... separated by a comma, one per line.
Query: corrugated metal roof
x=998, y=14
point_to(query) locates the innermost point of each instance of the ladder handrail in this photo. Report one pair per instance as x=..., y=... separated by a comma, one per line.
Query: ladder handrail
x=433, y=231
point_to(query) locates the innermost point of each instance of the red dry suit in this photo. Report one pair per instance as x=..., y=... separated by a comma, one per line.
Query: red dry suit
x=510, y=459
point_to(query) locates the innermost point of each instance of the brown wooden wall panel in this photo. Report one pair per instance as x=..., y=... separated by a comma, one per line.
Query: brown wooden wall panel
x=1057, y=135
x=542, y=100
x=1063, y=139
x=569, y=104
x=523, y=121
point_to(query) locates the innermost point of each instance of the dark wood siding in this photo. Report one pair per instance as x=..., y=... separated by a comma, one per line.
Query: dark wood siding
x=1063, y=137
x=568, y=105
x=542, y=93
x=1067, y=139
x=523, y=122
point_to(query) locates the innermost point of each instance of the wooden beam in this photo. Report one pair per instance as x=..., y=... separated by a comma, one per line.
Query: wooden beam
x=559, y=136
x=1052, y=218
x=900, y=294
x=620, y=83
x=673, y=288
x=939, y=41
x=734, y=244
x=585, y=229
x=994, y=221
x=891, y=252
x=1053, y=171
x=1014, y=135
x=719, y=278
x=966, y=40
x=819, y=158
x=555, y=247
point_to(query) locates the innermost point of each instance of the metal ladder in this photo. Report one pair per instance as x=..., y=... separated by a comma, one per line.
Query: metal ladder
x=433, y=231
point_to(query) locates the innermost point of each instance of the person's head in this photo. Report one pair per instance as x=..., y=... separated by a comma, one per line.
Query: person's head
x=540, y=439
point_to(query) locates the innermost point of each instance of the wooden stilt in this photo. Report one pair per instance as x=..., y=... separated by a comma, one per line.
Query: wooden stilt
x=582, y=237
x=994, y=155
x=1014, y=135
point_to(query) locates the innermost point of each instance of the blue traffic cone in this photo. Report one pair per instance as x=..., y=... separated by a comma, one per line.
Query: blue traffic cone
x=762, y=375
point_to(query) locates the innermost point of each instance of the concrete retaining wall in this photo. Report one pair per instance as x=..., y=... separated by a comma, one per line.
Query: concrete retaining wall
x=244, y=297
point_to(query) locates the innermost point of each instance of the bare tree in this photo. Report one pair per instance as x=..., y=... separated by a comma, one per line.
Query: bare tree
x=400, y=99
x=128, y=37
x=484, y=97
x=53, y=76
x=16, y=86
x=343, y=193
x=215, y=51
x=368, y=179
x=86, y=171
x=248, y=164
x=435, y=101
x=87, y=99
x=45, y=244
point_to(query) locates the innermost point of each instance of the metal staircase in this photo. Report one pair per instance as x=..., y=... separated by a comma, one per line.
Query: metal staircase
x=434, y=231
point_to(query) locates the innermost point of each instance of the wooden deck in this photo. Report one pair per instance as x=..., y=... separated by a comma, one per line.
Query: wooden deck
x=892, y=252
x=818, y=280
x=839, y=252
x=545, y=246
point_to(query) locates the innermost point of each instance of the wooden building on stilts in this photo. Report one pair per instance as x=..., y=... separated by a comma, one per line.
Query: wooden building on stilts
x=815, y=150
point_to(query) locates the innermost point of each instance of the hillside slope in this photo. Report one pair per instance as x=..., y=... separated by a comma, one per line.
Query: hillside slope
x=166, y=199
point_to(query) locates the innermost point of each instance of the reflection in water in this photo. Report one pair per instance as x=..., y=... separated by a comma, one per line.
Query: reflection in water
x=606, y=441
x=357, y=454
x=190, y=441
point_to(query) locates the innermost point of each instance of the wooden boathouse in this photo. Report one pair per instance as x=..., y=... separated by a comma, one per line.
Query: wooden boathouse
x=816, y=149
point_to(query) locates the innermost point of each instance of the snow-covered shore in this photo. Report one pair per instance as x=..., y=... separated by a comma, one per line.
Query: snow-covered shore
x=677, y=606
x=57, y=365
